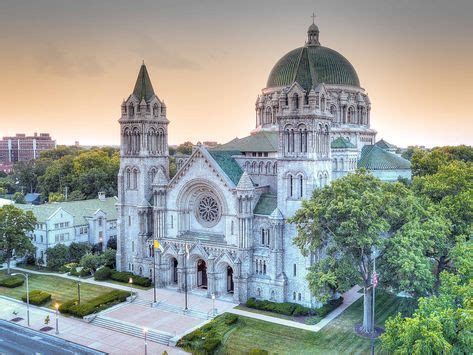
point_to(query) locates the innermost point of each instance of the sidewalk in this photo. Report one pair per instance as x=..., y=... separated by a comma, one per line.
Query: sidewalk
x=349, y=298
x=81, y=332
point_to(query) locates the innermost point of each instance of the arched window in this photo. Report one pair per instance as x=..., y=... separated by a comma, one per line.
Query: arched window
x=247, y=167
x=294, y=295
x=155, y=110
x=351, y=114
x=272, y=295
x=131, y=110
x=335, y=164
x=295, y=99
x=258, y=293
x=264, y=267
x=253, y=167
x=135, y=179
x=291, y=185
x=306, y=98
x=301, y=186
x=141, y=270
x=128, y=178
x=263, y=236
x=232, y=228
x=261, y=168
x=322, y=103
x=268, y=115
x=286, y=100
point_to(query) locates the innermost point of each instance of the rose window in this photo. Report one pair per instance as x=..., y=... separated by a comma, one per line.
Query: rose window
x=208, y=210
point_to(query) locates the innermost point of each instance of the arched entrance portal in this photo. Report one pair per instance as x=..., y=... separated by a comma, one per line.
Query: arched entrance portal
x=201, y=274
x=173, y=270
x=230, y=285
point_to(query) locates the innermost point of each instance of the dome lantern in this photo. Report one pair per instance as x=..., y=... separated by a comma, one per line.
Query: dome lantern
x=313, y=33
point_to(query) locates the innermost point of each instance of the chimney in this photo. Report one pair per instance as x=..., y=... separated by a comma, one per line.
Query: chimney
x=101, y=196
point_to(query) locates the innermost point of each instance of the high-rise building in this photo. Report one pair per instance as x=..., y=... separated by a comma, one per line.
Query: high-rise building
x=22, y=147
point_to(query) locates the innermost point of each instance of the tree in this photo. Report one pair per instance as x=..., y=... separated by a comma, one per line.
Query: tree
x=443, y=323
x=90, y=261
x=14, y=226
x=57, y=256
x=3, y=191
x=108, y=258
x=451, y=189
x=429, y=162
x=77, y=251
x=185, y=148
x=76, y=195
x=55, y=197
x=112, y=243
x=18, y=197
x=343, y=224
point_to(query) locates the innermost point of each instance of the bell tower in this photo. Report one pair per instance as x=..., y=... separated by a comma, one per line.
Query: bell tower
x=143, y=153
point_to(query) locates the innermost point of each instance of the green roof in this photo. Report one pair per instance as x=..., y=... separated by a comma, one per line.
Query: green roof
x=385, y=145
x=224, y=159
x=79, y=209
x=341, y=143
x=312, y=65
x=267, y=203
x=143, y=87
x=259, y=142
x=376, y=158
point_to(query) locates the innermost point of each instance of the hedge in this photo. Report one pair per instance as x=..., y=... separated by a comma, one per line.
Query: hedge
x=37, y=297
x=124, y=276
x=293, y=309
x=12, y=281
x=257, y=351
x=103, y=273
x=94, y=305
x=84, y=272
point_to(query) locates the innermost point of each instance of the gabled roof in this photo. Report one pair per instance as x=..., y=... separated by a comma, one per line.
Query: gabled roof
x=376, y=158
x=341, y=143
x=267, y=203
x=385, y=145
x=226, y=162
x=78, y=209
x=245, y=182
x=259, y=142
x=143, y=87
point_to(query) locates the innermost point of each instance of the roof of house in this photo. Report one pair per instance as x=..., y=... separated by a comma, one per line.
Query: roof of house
x=267, y=203
x=259, y=142
x=224, y=158
x=385, y=145
x=376, y=158
x=78, y=209
x=341, y=143
x=32, y=197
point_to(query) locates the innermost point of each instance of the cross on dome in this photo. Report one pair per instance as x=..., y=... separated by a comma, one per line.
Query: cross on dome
x=313, y=18
x=313, y=33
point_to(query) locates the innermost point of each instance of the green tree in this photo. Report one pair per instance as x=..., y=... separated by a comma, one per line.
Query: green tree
x=57, y=256
x=108, y=258
x=18, y=197
x=428, y=162
x=3, y=191
x=185, y=148
x=91, y=261
x=451, y=189
x=76, y=195
x=344, y=224
x=14, y=226
x=55, y=197
x=77, y=251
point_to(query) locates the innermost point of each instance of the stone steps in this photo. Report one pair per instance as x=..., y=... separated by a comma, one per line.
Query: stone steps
x=179, y=310
x=132, y=329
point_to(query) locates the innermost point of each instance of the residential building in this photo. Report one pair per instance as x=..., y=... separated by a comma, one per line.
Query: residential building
x=22, y=147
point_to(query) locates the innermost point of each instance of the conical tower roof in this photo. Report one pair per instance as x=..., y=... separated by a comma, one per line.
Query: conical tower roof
x=143, y=87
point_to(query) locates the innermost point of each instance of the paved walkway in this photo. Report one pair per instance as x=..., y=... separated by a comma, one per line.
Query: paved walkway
x=349, y=298
x=82, y=332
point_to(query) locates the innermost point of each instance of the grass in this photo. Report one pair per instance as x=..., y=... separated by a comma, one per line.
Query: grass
x=61, y=289
x=337, y=337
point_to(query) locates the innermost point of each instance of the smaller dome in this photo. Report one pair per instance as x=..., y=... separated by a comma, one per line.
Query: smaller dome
x=313, y=28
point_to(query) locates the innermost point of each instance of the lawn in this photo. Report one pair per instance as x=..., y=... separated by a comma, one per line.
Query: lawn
x=61, y=289
x=336, y=338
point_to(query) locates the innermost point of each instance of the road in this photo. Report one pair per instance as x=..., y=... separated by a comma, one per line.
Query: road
x=15, y=339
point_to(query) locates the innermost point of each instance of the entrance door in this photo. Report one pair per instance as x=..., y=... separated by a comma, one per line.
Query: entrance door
x=174, y=270
x=230, y=285
x=201, y=274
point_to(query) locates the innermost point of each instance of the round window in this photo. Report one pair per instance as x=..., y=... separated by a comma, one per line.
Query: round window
x=208, y=211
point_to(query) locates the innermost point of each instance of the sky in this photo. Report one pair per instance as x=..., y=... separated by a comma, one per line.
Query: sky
x=66, y=66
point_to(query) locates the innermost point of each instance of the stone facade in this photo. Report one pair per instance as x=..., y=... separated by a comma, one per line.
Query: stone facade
x=222, y=218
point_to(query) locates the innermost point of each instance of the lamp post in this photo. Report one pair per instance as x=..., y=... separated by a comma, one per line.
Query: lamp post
x=374, y=282
x=78, y=290
x=27, y=295
x=213, y=304
x=57, y=317
x=130, y=281
x=154, y=273
x=185, y=276
x=145, y=332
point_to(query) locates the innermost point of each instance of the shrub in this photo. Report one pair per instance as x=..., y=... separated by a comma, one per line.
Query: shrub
x=57, y=256
x=258, y=352
x=108, y=258
x=124, y=276
x=286, y=308
x=90, y=261
x=103, y=273
x=78, y=250
x=37, y=297
x=94, y=305
x=230, y=318
x=211, y=344
x=12, y=281
x=328, y=307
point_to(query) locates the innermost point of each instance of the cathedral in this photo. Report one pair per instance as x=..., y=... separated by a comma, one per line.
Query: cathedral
x=221, y=219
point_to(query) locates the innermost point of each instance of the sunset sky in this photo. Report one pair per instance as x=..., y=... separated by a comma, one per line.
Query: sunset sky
x=66, y=66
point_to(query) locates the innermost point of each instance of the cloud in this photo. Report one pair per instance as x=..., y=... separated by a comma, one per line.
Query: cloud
x=149, y=50
x=58, y=62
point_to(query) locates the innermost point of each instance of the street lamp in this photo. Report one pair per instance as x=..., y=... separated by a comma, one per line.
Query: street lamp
x=27, y=295
x=130, y=281
x=213, y=304
x=145, y=332
x=57, y=317
x=78, y=290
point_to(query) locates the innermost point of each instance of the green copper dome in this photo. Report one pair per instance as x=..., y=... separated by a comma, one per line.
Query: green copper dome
x=311, y=65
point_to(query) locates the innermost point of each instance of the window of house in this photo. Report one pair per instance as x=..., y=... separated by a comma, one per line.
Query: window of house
x=294, y=296
x=294, y=271
x=172, y=221
x=299, y=296
x=100, y=222
x=129, y=220
x=132, y=246
x=264, y=267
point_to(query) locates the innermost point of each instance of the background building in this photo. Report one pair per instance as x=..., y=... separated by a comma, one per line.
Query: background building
x=22, y=147
x=89, y=221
